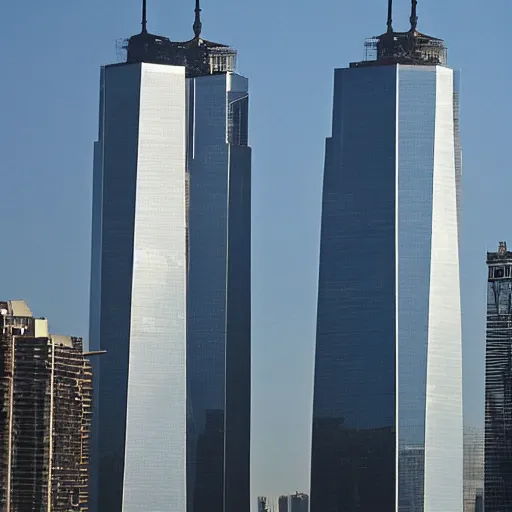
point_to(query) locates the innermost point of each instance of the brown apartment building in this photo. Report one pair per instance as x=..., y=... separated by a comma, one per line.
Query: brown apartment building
x=45, y=415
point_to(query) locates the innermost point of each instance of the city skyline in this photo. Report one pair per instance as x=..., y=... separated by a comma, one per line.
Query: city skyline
x=55, y=158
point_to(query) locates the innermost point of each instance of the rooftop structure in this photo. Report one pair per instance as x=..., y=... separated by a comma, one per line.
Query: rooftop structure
x=500, y=255
x=411, y=47
x=200, y=56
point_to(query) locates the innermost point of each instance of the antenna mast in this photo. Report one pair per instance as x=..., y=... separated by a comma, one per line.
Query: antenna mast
x=144, y=17
x=390, y=16
x=197, y=22
x=414, y=16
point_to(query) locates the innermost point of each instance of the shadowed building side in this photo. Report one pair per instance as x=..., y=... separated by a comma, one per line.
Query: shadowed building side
x=218, y=316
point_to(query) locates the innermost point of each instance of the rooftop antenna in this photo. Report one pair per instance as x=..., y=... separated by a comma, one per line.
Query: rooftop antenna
x=390, y=16
x=144, y=17
x=414, y=16
x=197, y=22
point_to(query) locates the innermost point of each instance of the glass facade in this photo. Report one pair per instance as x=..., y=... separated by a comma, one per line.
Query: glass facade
x=170, y=291
x=386, y=312
x=416, y=121
x=138, y=299
x=218, y=302
x=353, y=456
x=498, y=384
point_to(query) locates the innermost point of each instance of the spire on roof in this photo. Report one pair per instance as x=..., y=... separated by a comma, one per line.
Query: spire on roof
x=197, y=22
x=390, y=15
x=414, y=16
x=144, y=17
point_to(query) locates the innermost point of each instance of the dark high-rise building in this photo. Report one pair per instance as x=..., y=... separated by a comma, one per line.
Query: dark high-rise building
x=170, y=279
x=299, y=502
x=498, y=383
x=283, y=503
x=45, y=415
x=387, y=413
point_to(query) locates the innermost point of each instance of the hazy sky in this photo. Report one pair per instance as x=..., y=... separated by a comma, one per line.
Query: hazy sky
x=51, y=54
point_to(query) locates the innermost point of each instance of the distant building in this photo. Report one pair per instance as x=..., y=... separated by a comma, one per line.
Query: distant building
x=283, y=504
x=473, y=469
x=411, y=476
x=479, y=503
x=299, y=502
x=45, y=415
x=498, y=382
x=264, y=505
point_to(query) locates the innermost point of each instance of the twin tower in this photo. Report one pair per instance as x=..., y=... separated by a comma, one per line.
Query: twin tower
x=171, y=283
x=170, y=287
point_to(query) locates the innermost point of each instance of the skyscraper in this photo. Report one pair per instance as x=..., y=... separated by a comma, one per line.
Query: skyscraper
x=388, y=364
x=45, y=415
x=170, y=283
x=498, y=382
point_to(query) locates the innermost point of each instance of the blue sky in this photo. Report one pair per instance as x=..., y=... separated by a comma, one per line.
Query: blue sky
x=51, y=53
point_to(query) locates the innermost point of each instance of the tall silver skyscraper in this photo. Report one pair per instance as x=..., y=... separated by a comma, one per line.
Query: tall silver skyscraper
x=387, y=415
x=170, y=285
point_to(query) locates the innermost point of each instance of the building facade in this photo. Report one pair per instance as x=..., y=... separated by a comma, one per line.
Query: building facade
x=170, y=280
x=387, y=414
x=138, y=288
x=45, y=415
x=498, y=382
